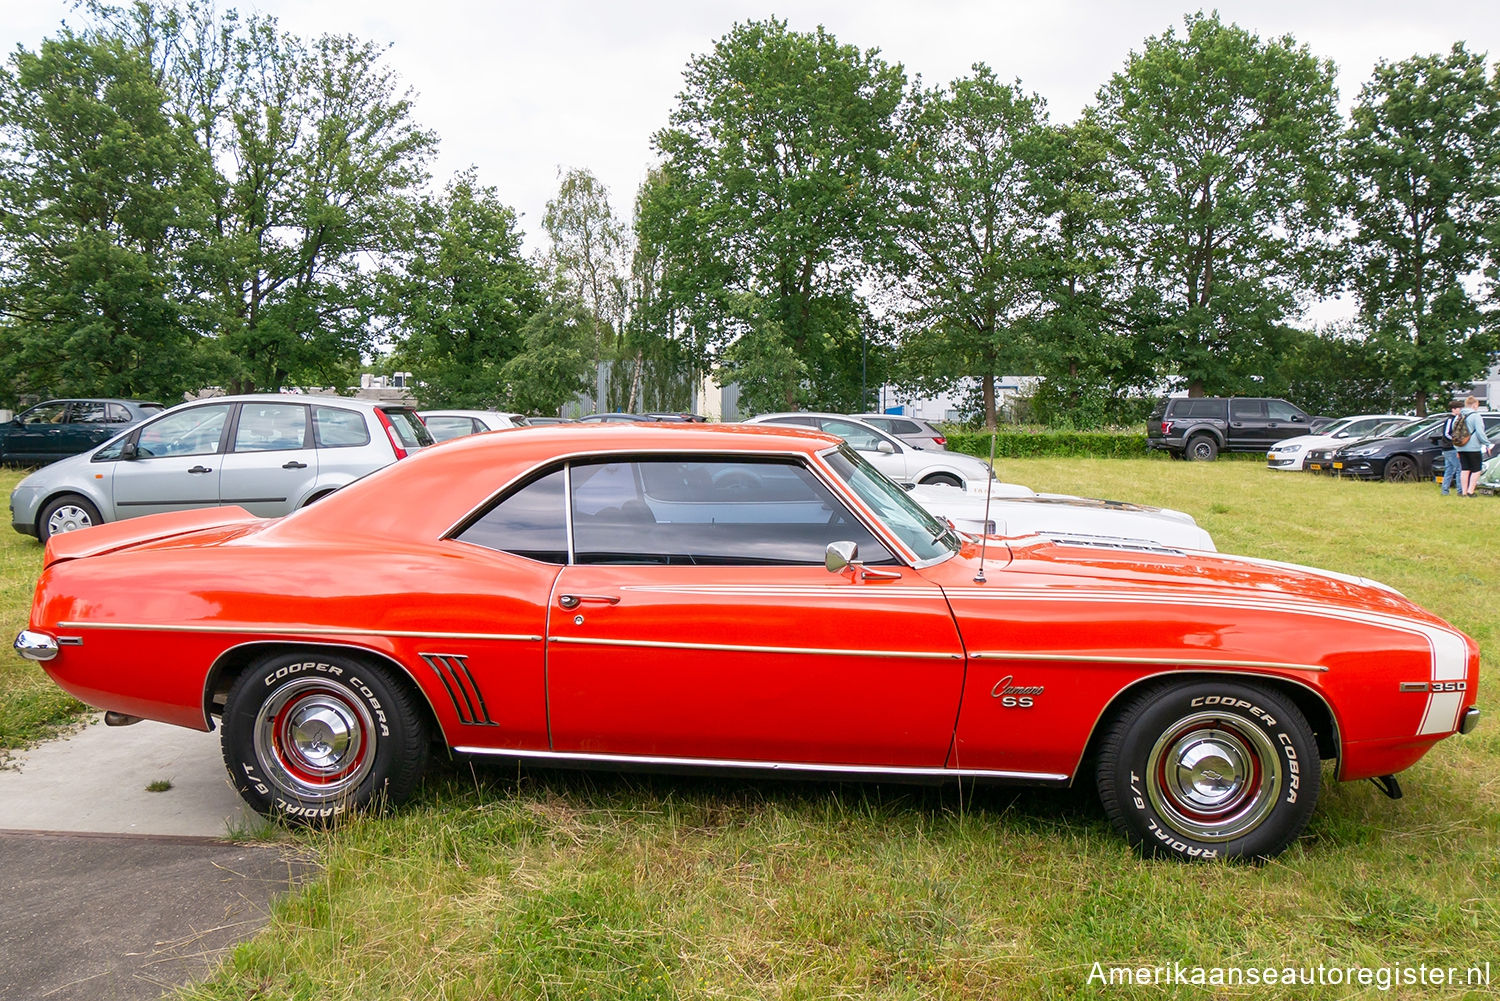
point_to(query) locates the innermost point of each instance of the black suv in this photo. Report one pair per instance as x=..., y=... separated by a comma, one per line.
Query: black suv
x=1200, y=427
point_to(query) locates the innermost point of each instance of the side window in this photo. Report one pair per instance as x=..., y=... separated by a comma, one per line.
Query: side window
x=87, y=412
x=709, y=512
x=186, y=432
x=856, y=435
x=118, y=414
x=529, y=522
x=903, y=427
x=1246, y=410
x=46, y=413
x=444, y=428
x=1280, y=410
x=335, y=427
x=270, y=427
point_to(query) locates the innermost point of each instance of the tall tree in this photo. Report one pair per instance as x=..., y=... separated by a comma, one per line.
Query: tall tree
x=776, y=156
x=466, y=294
x=968, y=244
x=1424, y=166
x=96, y=203
x=315, y=164
x=1227, y=143
x=588, y=257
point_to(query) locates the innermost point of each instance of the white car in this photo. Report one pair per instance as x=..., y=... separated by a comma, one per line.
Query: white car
x=904, y=463
x=1013, y=510
x=1291, y=453
x=446, y=424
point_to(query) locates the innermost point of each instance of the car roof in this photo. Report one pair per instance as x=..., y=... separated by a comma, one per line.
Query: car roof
x=341, y=401
x=422, y=496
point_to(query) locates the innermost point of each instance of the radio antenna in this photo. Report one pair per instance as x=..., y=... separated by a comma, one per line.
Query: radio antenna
x=989, y=491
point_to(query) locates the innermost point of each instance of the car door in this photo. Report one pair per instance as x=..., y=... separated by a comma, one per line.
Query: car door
x=37, y=434
x=1283, y=421
x=271, y=462
x=696, y=620
x=1247, y=424
x=175, y=462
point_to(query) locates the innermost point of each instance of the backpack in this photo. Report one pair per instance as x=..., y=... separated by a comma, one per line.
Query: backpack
x=1460, y=433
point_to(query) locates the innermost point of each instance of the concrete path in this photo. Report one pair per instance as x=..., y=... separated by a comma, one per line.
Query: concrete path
x=96, y=781
x=109, y=891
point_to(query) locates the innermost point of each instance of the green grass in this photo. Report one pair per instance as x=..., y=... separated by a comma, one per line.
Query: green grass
x=505, y=883
x=31, y=706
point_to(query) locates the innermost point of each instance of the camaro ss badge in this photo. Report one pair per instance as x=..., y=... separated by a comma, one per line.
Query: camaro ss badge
x=1014, y=696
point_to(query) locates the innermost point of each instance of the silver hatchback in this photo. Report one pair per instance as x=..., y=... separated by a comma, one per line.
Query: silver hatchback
x=268, y=453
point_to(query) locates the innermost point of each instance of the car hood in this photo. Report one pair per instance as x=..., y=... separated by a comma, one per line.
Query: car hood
x=1062, y=515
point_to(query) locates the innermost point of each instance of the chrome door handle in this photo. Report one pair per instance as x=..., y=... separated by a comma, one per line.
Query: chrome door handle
x=574, y=600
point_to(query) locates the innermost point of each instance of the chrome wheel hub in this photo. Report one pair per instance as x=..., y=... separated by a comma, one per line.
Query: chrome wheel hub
x=314, y=740
x=1214, y=778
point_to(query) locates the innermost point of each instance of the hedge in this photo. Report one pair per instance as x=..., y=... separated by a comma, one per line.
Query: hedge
x=1032, y=444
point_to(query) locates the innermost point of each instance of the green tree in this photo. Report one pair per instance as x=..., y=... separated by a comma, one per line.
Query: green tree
x=96, y=203
x=776, y=156
x=1227, y=147
x=1424, y=167
x=968, y=244
x=314, y=164
x=555, y=364
x=464, y=298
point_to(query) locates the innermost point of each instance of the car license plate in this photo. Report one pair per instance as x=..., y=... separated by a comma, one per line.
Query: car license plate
x=1338, y=465
x=1314, y=466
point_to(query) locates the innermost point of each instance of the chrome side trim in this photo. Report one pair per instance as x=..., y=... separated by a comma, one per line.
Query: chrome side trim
x=764, y=766
x=301, y=631
x=736, y=648
x=1189, y=662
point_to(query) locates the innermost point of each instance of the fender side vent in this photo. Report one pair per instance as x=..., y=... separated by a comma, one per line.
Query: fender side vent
x=452, y=670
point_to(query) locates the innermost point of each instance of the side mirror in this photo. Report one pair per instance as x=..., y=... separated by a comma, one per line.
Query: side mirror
x=839, y=555
x=885, y=448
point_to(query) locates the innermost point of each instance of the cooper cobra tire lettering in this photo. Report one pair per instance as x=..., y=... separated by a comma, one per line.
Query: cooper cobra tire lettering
x=308, y=739
x=1208, y=770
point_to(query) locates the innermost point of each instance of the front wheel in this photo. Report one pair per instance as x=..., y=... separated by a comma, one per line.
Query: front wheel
x=942, y=480
x=1401, y=469
x=67, y=513
x=1209, y=770
x=310, y=735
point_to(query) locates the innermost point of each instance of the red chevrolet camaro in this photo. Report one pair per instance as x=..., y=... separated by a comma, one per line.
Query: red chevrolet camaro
x=739, y=598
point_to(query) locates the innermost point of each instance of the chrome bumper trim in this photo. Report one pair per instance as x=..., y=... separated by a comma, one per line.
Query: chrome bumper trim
x=35, y=645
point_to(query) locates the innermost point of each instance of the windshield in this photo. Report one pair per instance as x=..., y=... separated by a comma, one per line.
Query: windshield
x=923, y=534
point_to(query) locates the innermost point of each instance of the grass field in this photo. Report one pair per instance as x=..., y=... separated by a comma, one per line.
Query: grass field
x=539, y=884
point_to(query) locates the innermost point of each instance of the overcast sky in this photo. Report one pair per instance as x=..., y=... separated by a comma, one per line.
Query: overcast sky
x=520, y=90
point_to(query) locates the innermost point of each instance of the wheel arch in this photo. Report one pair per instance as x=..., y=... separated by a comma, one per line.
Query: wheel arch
x=1308, y=700
x=233, y=662
x=101, y=504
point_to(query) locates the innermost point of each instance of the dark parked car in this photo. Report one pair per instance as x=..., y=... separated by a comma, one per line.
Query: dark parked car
x=1414, y=454
x=60, y=428
x=1201, y=427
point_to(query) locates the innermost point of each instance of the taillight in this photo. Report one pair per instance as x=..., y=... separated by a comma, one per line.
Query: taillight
x=1166, y=428
x=941, y=440
x=390, y=432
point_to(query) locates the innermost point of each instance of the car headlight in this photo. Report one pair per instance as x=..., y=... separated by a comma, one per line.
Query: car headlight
x=1363, y=451
x=1287, y=449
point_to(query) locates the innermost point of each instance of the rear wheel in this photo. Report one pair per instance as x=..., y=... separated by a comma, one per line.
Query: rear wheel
x=1401, y=469
x=1202, y=448
x=310, y=735
x=1209, y=770
x=942, y=480
x=67, y=513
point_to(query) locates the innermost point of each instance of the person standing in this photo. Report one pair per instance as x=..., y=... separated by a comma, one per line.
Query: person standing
x=1471, y=451
x=1450, y=453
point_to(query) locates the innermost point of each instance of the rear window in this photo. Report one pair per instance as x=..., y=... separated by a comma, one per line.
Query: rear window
x=1203, y=407
x=410, y=430
x=335, y=427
